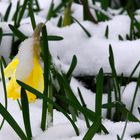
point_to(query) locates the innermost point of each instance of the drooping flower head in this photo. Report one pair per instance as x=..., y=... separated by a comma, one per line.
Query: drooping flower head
x=26, y=67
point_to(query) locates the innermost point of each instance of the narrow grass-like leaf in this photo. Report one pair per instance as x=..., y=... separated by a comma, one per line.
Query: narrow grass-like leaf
x=107, y=32
x=124, y=130
x=60, y=6
x=120, y=37
x=139, y=110
x=59, y=24
x=7, y=12
x=86, y=12
x=98, y=100
x=92, y=130
x=136, y=136
x=132, y=73
x=37, y=5
x=67, y=20
x=135, y=94
x=122, y=109
x=5, y=91
x=118, y=137
x=114, y=74
x=18, y=33
x=21, y=13
x=31, y=15
x=25, y=113
x=50, y=106
x=108, y=116
x=90, y=114
x=12, y=122
x=15, y=16
x=47, y=63
x=54, y=38
x=72, y=67
x=49, y=16
x=1, y=34
x=41, y=96
x=105, y=4
x=7, y=34
x=85, y=30
x=69, y=93
x=3, y=62
x=84, y=105
x=81, y=98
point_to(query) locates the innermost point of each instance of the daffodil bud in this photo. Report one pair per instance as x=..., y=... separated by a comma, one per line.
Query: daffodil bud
x=26, y=67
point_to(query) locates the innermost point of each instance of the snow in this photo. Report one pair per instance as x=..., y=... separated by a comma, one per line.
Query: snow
x=62, y=129
x=26, y=58
x=92, y=54
x=125, y=52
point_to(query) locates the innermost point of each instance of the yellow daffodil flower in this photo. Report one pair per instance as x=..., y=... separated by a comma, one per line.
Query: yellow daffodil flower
x=25, y=67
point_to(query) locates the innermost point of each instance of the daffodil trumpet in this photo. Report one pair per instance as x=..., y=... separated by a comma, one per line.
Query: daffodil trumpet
x=26, y=67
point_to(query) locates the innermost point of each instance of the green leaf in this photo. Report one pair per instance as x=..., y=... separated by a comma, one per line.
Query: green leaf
x=135, y=94
x=114, y=75
x=18, y=33
x=92, y=130
x=21, y=13
x=60, y=6
x=37, y=6
x=136, y=136
x=109, y=100
x=12, y=122
x=7, y=12
x=85, y=30
x=50, y=106
x=124, y=130
x=54, y=38
x=86, y=12
x=72, y=67
x=31, y=15
x=67, y=20
x=98, y=100
x=105, y=4
x=50, y=12
x=25, y=113
x=69, y=93
x=47, y=62
x=1, y=34
x=109, y=105
x=120, y=37
x=107, y=31
x=88, y=113
x=118, y=138
x=41, y=96
x=4, y=87
x=3, y=62
x=84, y=105
x=122, y=109
x=132, y=73
x=15, y=16
x=59, y=24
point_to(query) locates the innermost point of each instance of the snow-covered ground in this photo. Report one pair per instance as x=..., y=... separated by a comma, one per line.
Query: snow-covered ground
x=62, y=129
x=92, y=54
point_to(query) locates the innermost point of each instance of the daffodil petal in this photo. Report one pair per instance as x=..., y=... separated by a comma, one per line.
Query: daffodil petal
x=13, y=89
x=9, y=70
x=35, y=79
